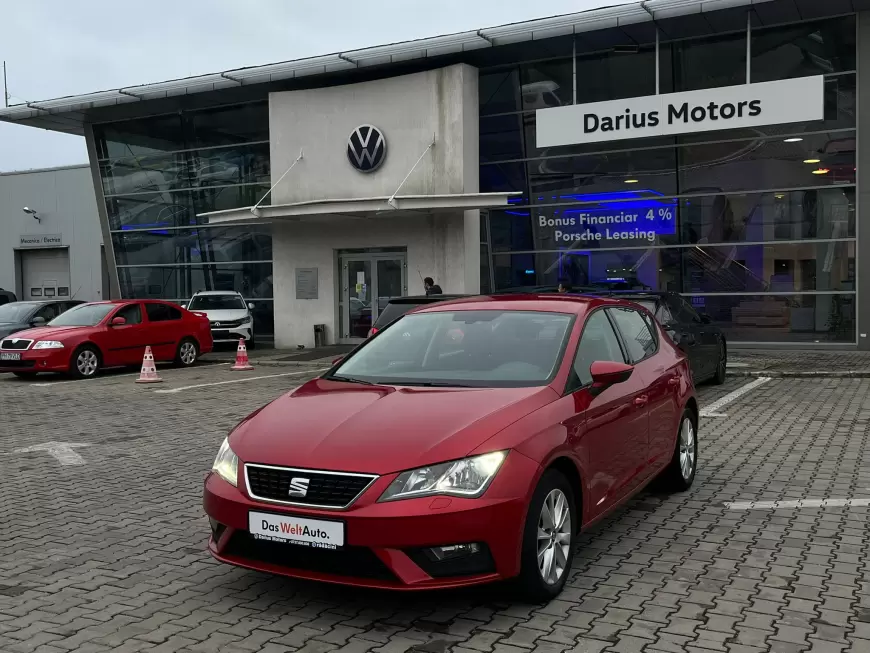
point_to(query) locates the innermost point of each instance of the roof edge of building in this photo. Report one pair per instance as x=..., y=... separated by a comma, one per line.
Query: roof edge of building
x=626, y=13
x=74, y=166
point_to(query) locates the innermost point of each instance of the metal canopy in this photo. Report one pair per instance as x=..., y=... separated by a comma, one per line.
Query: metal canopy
x=68, y=114
x=365, y=207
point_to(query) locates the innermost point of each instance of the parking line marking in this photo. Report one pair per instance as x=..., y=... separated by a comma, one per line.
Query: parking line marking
x=45, y=384
x=711, y=410
x=798, y=503
x=247, y=378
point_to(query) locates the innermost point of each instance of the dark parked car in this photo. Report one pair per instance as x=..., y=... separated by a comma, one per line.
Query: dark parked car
x=395, y=307
x=6, y=297
x=693, y=332
x=17, y=316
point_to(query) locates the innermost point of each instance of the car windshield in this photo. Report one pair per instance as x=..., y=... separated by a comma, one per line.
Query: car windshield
x=217, y=303
x=15, y=312
x=83, y=315
x=488, y=348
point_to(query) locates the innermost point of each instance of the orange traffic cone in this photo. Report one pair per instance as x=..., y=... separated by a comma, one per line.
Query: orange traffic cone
x=149, y=370
x=242, y=363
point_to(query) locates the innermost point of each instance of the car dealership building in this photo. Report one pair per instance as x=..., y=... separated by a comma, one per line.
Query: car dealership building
x=705, y=147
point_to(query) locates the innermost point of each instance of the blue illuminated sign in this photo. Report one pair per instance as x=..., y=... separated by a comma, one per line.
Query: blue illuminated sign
x=629, y=215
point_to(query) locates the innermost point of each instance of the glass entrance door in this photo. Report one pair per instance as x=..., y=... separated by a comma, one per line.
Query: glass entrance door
x=367, y=283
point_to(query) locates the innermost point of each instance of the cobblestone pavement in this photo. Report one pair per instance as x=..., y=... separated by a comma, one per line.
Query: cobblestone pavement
x=110, y=555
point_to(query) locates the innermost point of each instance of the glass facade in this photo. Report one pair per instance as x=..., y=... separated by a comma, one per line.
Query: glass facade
x=757, y=226
x=159, y=173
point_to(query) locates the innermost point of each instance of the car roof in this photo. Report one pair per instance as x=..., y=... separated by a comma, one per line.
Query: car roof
x=545, y=303
x=425, y=299
x=218, y=292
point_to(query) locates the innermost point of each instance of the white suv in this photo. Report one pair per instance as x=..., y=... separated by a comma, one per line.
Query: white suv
x=228, y=314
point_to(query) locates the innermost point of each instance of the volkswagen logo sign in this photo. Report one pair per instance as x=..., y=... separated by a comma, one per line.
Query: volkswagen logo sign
x=366, y=148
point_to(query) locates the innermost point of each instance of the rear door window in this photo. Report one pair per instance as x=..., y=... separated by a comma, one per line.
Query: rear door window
x=162, y=312
x=636, y=334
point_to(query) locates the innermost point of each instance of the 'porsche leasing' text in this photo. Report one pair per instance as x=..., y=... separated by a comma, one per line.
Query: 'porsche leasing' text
x=592, y=122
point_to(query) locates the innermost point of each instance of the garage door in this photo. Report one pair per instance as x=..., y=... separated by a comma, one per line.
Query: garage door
x=45, y=273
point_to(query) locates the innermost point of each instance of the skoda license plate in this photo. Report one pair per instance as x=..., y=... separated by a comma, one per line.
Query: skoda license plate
x=9, y=357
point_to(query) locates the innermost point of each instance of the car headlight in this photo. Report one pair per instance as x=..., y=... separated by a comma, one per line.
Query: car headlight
x=468, y=477
x=48, y=344
x=226, y=465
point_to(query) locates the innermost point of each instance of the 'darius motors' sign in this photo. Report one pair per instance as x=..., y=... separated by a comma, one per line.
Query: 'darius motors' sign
x=730, y=107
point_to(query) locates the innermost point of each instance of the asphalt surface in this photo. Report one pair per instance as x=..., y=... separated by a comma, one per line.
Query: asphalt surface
x=109, y=554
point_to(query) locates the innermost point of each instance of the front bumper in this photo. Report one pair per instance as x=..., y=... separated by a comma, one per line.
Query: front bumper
x=385, y=542
x=232, y=334
x=37, y=360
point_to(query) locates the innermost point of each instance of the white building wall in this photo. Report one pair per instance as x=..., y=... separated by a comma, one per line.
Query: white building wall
x=435, y=248
x=410, y=110
x=65, y=202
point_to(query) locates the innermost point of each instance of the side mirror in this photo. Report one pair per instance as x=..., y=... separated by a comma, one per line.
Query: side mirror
x=706, y=319
x=184, y=306
x=118, y=321
x=608, y=373
x=38, y=321
x=251, y=305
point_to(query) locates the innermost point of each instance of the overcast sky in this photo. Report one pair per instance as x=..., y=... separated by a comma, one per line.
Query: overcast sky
x=55, y=48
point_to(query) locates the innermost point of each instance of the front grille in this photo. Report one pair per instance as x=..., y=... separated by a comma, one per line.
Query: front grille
x=352, y=561
x=325, y=489
x=20, y=344
x=227, y=324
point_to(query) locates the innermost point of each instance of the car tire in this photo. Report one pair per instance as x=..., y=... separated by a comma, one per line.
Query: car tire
x=679, y=475
x=541, y=578
x=718, y=377
x=187, y=353
x=85, y=362
x=25, y=375
x=250, y=344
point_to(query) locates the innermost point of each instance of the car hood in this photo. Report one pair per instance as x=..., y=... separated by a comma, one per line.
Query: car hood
x=217, y=316
x=379, y=429
x=51, y=333
x=11, y=327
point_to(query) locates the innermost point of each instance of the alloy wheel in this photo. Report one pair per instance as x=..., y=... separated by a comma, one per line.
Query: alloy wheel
x=554, y=536
x=187, y=353
x=687, y=449
x=87, y=363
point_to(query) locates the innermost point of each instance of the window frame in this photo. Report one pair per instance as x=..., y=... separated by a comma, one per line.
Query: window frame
x=574, y=383
x=644, y=316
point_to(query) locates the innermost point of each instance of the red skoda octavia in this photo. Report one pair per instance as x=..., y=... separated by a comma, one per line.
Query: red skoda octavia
x=466, y=443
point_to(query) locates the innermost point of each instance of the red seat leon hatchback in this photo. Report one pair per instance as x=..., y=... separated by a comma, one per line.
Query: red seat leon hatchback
x=466, y=443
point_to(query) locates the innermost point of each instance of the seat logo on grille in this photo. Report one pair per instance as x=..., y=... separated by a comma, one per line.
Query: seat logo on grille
x=299, y=487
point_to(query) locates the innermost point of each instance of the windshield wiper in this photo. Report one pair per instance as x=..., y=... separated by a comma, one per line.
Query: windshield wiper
x=347, y=379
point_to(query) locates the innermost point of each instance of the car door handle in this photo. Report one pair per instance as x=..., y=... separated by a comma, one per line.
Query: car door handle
x=641, y=401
